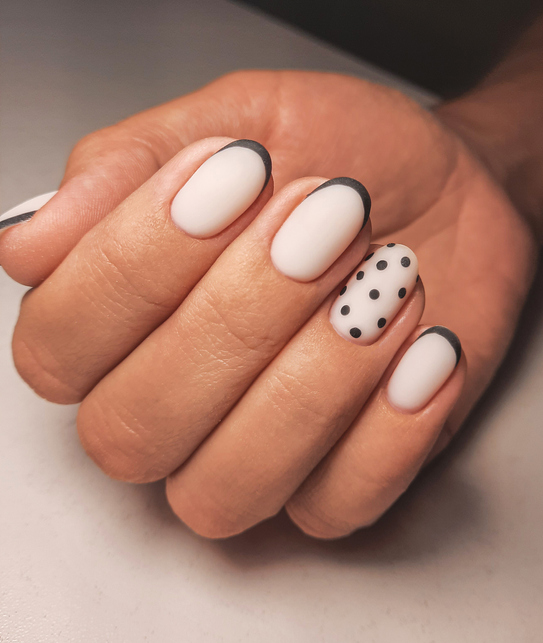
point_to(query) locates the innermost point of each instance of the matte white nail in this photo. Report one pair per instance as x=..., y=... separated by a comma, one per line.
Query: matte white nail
x=320, y=229
x=424, y=368
x=24, y=211
x=375, y=293
x=222, y=188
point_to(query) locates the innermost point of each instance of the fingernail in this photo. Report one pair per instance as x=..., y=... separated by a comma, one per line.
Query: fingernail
x=320, y=229
x=24, y=211
x=424, y=368
x=375, y=294
x=222, y=188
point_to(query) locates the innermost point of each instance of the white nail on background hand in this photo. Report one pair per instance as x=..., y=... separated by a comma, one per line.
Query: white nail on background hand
x=424, y=368
x=375, y=293
x=222, y=188
x=320, y=229
x=24, y=211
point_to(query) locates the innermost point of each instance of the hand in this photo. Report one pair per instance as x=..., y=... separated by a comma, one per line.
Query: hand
x=311, y=432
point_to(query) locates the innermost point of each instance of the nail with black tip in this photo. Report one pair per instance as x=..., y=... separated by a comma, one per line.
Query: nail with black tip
x=222, y=188
x=424, y=368
x=319, y=230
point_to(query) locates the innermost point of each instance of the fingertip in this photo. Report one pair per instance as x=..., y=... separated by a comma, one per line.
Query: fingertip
x=17, y=229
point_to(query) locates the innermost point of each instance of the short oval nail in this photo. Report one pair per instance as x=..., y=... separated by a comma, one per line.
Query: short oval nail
x=24, y=211
x=375, y=293
x=424, y=368
x=222, y=188
x=320, y=229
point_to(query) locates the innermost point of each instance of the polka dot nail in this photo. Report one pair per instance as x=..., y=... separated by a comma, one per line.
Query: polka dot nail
x=375, y=293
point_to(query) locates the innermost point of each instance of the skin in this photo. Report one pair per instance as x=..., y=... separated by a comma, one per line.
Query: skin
x=250, y=400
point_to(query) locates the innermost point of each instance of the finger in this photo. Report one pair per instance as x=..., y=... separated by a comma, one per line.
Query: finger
x=131, y=271
x=24, y=211
x=376, y=460
x=106, y=166
x=150, y=413
x=30, y=251
x=295, y=411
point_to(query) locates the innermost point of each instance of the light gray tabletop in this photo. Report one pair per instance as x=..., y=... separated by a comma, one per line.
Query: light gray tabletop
x=87, y=559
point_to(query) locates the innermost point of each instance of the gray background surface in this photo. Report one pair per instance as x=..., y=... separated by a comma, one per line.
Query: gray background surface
x=87, y=559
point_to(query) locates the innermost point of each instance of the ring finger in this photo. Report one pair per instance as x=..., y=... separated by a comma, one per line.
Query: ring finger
x=303, y=402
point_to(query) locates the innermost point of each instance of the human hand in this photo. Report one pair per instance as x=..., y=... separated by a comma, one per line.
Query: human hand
x=476, y=257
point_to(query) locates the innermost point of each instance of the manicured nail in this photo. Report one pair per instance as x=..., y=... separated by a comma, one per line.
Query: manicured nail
x=375, y=294
x=24, y=211
x=425, y=367
x=222, y=188
x=320, y=229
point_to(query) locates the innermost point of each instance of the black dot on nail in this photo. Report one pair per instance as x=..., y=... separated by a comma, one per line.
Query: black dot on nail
x=374, y=294
x=390, y=245
x=406, y=262
x=360, y=275
x=345, y=310
x=355, y=332
x=418, y=278
x=381, y=322
x=369, y=256
x=381, y=265
x=343, y=291
x=402, y=292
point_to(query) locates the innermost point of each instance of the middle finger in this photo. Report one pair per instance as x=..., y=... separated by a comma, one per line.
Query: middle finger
x=149, y=414
x=133, y=269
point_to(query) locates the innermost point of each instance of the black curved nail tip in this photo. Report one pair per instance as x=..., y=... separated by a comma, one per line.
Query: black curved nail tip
x=449, y=336
x=256, y=147
x=355, y=185
x=19, y=218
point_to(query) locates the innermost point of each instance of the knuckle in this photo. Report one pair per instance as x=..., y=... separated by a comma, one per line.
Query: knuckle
x=251, y=78
x=306, y=396
x=102, y=147
x=94, y=143
x=236, y=76
x=117, y=282
x=315, y=523
x=42, y=372
x=247, y=333
x=114, y=439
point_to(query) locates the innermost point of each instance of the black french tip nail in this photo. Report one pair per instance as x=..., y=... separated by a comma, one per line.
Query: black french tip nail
x=19, y=218
x=449, y=336
x=256, y=147
x=355, y=185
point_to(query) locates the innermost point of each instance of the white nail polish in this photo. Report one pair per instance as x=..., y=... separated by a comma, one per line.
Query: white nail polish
x=424, y=368
x=222, y=188
x=25, y=210
x=375, y=293
x=320, y=229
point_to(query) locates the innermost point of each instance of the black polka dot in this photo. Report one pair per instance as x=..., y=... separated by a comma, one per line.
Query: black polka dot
x=345, y=310
x=402, y=292
x=381, y=322
x=360, y=275
x=369, y=256
x=374, y=294
x=381, y=265
x=406, y=262
x=343, y=291
x=418, y=278
x=355, y=332
x=390, y=245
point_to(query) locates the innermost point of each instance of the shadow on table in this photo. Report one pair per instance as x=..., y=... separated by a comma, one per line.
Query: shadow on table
x=440, y=510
